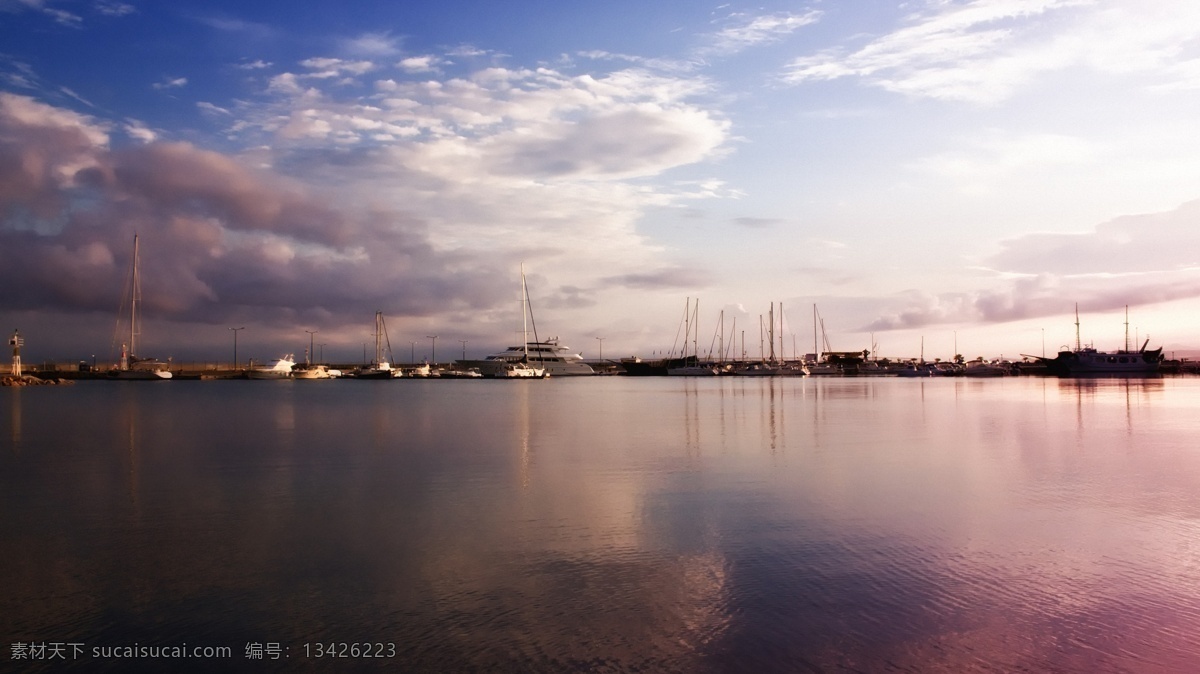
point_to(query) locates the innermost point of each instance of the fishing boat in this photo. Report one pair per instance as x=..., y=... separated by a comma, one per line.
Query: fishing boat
x=1088, y=362
x=130, y=365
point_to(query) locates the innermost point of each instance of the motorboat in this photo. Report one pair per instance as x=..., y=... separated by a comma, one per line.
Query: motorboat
x=311, y=371
x=519, y=371
x=280, y=368
x=982, y=368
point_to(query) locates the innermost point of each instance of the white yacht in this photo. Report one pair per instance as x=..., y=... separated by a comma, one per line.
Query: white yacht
x=280, y=368
x=558, y=360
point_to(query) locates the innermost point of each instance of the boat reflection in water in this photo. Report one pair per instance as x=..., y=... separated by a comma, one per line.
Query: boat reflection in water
x=669, y=524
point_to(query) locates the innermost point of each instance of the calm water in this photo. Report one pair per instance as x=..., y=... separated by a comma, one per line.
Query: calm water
x=609, y=524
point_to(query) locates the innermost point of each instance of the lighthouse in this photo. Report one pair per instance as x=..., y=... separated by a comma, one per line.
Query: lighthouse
x=16, y=341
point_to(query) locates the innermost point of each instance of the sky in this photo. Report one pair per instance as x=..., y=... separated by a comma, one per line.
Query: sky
x=934, y=176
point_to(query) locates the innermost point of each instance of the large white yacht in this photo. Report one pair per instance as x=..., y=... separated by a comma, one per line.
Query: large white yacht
x=558, y=360
x=280, y=368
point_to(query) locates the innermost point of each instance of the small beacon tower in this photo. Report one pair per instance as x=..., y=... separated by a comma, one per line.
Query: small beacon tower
x=16, y=341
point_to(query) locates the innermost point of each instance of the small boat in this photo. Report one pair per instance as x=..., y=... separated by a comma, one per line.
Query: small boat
x=420, y=371
x=311, y=371
x=913, y=370
x=280, y=368
x=519, y=371
x=772, y=370
x=981, y=368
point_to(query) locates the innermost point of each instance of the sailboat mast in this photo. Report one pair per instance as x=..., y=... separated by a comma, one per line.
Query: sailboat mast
x=378, y=337
x=1126, y=327
x=696, y=329
x=771, y=330
x=1078, y=345
x=134, y=297
x=524, y=314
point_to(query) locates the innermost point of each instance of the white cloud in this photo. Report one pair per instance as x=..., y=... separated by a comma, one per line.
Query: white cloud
x=375, y=45
x=983, y=51
x=171, y=83
x=209, y=107
x=336, y=66
x=984, y=162
x=1132, y=260
x=750, y=31
x=253, y=65
x=113, y=8
x=419, y=64
x=139, y=131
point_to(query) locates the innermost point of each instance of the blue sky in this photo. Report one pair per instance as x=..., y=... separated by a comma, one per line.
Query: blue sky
x=952, y=173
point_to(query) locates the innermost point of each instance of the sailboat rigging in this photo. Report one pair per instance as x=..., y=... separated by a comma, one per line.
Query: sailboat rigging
x=130, y=365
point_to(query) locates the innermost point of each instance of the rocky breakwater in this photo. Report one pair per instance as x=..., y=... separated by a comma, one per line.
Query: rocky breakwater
x=27, y=380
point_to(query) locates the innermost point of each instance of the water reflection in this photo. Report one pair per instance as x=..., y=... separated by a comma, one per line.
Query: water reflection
x=733, y=524
x=15, y=417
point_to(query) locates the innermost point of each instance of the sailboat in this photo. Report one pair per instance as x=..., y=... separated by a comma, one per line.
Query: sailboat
x=380, y=368
x=130, y=366
x=522, y=369
x=697, y=369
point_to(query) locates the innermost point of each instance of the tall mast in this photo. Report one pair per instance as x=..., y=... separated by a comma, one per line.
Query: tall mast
x=771, y=330
x=136, y=295
x=524, y=314
x=1126, y=327
x=816, y=353
x=782, y=351
x=696, y=329
x=378, y=337
x=1077, y=345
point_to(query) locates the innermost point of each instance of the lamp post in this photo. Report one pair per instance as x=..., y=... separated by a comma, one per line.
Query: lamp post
x=322, y=358
x=235, y=331
x=464, y=343
x=308, y=360
x=412, y=356
x=433, y=349
x=601, y=339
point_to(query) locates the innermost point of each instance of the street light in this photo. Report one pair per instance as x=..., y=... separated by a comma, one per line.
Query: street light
x=235, y=331
x=308, y=360
x=412, y=357
x=601, y=347
x=433, y=349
